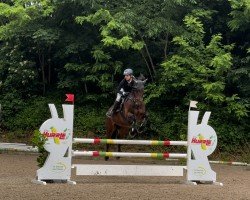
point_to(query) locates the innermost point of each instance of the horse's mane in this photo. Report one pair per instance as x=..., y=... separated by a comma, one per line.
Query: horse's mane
x=139, y=82
x=141, y=77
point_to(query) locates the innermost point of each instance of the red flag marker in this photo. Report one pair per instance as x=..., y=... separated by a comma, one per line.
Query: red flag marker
x=70, y=97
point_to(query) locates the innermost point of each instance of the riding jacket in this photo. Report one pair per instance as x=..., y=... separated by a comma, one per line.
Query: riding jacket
x=126, y=86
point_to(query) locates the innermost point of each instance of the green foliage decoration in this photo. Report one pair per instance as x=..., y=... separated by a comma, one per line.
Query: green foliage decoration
x=38, y=141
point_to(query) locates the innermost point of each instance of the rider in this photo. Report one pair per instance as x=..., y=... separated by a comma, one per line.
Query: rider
x=124, y=88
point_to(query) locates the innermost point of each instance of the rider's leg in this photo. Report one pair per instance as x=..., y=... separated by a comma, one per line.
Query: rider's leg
x=115, y=107
x=116, y=104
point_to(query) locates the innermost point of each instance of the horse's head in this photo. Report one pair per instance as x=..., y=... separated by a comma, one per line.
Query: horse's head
x=138, y=87
x=139, y=109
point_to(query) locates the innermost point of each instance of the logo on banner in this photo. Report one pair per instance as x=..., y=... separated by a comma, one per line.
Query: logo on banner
x=205, y=143
x=57, y=136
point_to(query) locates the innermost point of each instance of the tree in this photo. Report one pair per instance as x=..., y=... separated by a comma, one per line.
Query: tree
x=140, y=26
x=240, y=26
x=198, y=71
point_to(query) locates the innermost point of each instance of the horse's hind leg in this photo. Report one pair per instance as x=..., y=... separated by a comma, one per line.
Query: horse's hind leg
x=110, y=132
x=121, y=135
x=107, y=149
x=119, y=150
x=108, y=145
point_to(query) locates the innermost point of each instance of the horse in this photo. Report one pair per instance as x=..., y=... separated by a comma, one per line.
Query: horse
x=131, y=117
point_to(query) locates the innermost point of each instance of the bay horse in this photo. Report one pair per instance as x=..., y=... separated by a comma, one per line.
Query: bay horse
x=131, y=116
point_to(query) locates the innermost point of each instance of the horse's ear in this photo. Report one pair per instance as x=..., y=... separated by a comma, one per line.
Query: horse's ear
x=141, y=77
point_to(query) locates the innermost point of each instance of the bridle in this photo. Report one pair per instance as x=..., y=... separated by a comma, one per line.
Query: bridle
x=135, y=126
x=136, y=101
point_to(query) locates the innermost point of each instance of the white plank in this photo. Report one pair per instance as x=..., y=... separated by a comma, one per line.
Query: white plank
x=129, y=170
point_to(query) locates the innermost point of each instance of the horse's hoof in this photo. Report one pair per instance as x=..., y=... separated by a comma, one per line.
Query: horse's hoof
x=106, y=158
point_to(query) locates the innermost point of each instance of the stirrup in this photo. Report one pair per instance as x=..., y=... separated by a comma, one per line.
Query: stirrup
x=109, y=114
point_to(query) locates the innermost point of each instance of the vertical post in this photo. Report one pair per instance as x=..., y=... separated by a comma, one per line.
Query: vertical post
x=191, y=120
x=202, y=141
x=59, y=134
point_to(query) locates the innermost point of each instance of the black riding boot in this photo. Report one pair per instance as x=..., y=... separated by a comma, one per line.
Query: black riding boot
x=115, y=107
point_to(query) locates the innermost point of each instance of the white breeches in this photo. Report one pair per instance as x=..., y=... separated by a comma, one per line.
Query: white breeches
x=119, y=96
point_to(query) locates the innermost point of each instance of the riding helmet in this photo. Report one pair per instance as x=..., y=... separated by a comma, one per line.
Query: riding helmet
x=128, y=72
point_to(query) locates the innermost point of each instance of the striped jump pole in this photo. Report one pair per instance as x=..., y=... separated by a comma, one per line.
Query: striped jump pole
x=130, y=142
x=128, y=154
